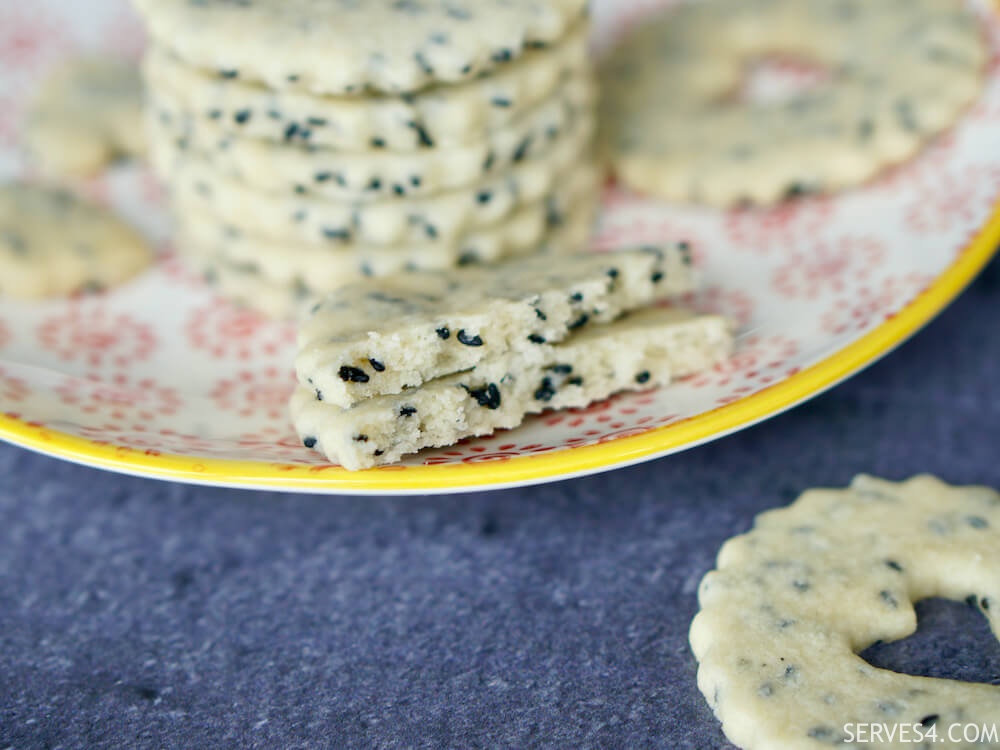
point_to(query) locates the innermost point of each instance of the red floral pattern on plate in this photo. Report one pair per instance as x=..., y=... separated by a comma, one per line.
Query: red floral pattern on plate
x=121, y=402
x=828, y=265
x=869, y=304
x=256, y=392
x=90, y=333
x=226, y=331
x=765, y=230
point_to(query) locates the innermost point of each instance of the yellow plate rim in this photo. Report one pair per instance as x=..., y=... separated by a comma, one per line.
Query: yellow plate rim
x=532, y=469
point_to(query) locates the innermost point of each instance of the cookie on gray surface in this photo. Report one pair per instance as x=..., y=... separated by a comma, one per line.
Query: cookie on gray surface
x=85, y=115
x=419, y=219
x=383, y=336
x=374, y=173
x=347, y=47
x=440, y=117
x=794, y=600
x=900, y=72
x=53, y=243
x=643, y=350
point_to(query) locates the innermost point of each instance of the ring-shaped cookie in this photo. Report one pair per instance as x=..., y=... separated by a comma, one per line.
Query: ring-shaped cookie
x=900, y=71
x=794, y=601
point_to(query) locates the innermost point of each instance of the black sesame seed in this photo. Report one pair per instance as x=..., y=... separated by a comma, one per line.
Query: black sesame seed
x=488, y=397
x=399, y=189
x=894, y=565
x=376, y=365
x=309, y=442
x=467, y=340
x=545, y=390
x=576, y=297
x=291, y=131
x=319, y=395
x=416, y=181
x=560, y=369
x=888, y=598
x=242, y=117
x=575, y=380
x=929, y=720
x=642, y=377
x=540, y=314
x=500, y=101
x=443, y=333
x=378, y=143
x=977, y=522
x=579, y=322
x=378, y=452
x=490, y=160
x=229, y=74
x=522, y=150
x=362, y=438
x=424, y=139
x=657, y=277
x=375, y=184
x=613, y=273
x=484, y=196
x=333, y=233
x=534, y=338
x=323, y=176
x=352, y=374
x=407, y=411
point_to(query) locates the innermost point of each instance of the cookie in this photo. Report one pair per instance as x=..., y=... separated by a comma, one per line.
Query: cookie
x=309, y=218
x=53, y=243
x=644, y=350
x=375, y=173
x=325, y=267
x=382, y=336
x=796, y=599
x=440, y=117
x=899, y=73
x=286, y=288
x=244, y=285
x=87, y=114
x=347, y=47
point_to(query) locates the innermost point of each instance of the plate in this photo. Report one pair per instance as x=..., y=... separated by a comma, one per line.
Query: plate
x=161, y=379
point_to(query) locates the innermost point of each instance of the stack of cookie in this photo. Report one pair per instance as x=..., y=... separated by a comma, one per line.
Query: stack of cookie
x=309, y=144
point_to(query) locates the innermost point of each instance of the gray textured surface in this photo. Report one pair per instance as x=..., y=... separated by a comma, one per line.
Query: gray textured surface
x=140, y=614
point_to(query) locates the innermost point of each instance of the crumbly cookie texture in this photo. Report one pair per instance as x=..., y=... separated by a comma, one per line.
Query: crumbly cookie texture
x=375, y=173
x=326, y=266
x=53, y=243
x=349, y=47
x=440, y=117
x=900, y=73
x=269, y=285
x=87, y=114
x=643, y=350
x=417, y=220
x=397, y=332
x=796, y=599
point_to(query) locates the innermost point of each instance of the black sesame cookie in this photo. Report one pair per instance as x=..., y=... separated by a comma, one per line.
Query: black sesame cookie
x=900, y=72
x=352, y=47
x=373, y=174
x=795, y=600
x=643, y=350
x=418, y=220
x=439, y=117
x=53, y=243
x=383, y=336
x=85, y=115
x=332, y=264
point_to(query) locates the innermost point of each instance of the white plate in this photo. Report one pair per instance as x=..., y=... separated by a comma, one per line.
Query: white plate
x=160, y=378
